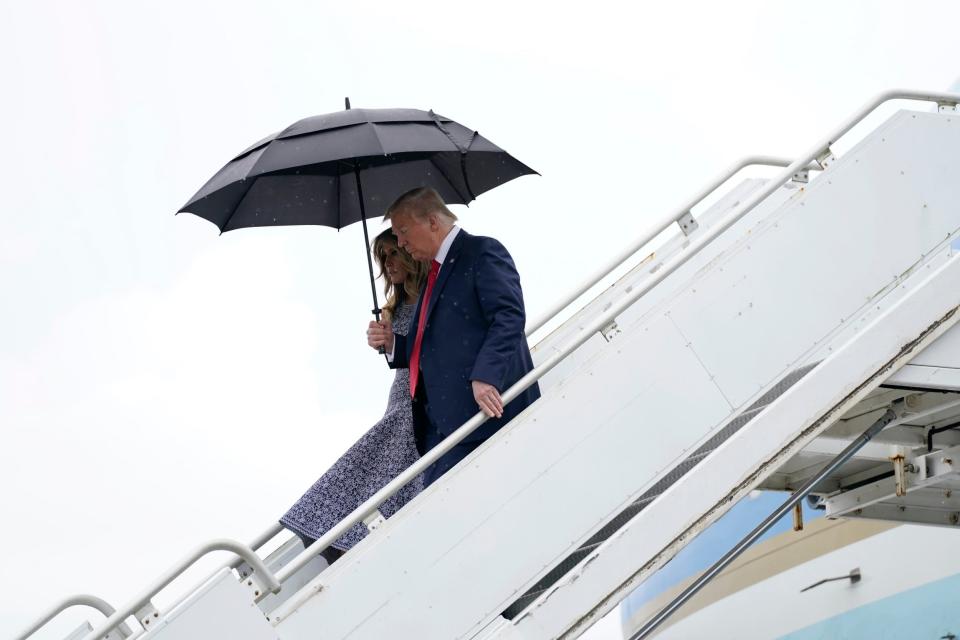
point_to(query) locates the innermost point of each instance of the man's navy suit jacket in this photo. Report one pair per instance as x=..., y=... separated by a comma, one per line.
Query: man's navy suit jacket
x=474, y=331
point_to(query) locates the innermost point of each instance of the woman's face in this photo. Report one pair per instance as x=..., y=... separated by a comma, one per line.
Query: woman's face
x=393, y=266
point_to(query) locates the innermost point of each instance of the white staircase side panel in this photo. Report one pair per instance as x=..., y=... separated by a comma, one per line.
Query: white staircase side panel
x=725, y=206
x=933, y=260
x=456, y=556
x=700, y=497
x=869, y=218
x=222, y=608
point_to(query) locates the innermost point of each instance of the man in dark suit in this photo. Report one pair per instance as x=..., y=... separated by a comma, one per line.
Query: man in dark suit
x=466, y=344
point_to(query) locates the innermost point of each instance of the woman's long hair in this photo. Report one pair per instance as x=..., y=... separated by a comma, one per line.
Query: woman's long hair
x=416, y=274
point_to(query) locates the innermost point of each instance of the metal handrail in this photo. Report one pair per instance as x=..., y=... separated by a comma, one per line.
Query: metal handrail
x=262, y=539
x=661, y=225
x=107, y=610
x=79, y=600
x=265, y=580
x=816, y=153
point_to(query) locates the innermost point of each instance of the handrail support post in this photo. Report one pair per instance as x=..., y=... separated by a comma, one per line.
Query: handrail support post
x=147, y=615
x=947, y=107
x=688, y=224
x=258, y=585
x=373, y=520
x=610, y=331
x=244, y=570
x=825, y=158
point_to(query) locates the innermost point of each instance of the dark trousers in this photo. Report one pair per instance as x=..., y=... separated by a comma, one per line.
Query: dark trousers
x=428, y=437
x=330, y=554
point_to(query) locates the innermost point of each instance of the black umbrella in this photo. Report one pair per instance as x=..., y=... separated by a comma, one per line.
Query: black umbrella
x=331, y=169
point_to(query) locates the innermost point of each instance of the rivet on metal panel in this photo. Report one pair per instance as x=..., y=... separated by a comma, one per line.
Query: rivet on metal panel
x=687, y=223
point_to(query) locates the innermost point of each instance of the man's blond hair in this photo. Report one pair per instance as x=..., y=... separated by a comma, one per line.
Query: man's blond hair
x=420, y=203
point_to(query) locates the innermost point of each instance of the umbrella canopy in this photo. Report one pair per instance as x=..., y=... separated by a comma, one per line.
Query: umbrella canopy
x=307, y=173
x=338, y=168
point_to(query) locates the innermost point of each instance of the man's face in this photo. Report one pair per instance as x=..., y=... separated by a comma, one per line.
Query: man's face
x=415, y=235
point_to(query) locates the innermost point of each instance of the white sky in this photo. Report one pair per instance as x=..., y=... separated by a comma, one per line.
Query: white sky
x=161, y=385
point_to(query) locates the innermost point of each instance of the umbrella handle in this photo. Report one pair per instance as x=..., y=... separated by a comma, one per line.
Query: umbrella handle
x=376, y=314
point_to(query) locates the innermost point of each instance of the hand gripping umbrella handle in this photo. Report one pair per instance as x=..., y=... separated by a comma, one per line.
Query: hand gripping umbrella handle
x=381, y=349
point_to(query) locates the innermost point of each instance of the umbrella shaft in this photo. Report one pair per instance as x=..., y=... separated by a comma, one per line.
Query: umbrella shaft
x=366, y=247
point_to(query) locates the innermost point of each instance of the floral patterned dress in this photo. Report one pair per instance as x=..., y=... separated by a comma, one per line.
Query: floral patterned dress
x=378, y=457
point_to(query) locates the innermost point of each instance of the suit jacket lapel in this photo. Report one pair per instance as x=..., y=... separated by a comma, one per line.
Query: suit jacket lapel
x=446, y=269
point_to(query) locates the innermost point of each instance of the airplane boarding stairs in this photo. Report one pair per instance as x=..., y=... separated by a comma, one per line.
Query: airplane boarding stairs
x=669, y=396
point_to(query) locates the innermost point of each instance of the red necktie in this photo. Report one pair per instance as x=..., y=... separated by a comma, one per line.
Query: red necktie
x=424, y=305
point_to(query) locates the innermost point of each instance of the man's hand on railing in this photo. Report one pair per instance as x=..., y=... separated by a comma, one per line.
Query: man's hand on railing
x=488, y=398
x=380, y=334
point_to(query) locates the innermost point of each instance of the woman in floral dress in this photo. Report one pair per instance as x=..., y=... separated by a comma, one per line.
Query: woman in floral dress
x=384, y=451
